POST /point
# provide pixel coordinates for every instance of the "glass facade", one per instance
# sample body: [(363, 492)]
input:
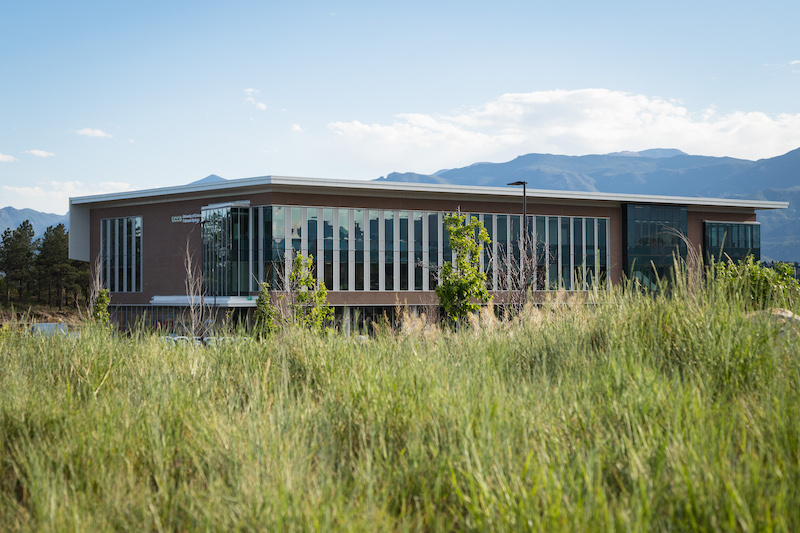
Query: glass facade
[(732, 240), (653, 238), (121, 254), (226, 250), (387, 250)]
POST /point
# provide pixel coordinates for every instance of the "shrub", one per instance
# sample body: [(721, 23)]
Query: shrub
[(100, 312), (266, 315), (758, 286), (460, 286), (310, 296)]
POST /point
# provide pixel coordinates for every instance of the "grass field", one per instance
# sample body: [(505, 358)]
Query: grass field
[(626, 412)]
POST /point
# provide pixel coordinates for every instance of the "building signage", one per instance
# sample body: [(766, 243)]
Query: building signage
[(187, 219)]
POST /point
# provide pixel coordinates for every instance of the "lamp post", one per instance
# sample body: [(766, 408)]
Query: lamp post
[(524, 205), (523, 260)]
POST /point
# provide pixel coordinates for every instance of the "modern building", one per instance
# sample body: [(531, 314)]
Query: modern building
[(380, 244)]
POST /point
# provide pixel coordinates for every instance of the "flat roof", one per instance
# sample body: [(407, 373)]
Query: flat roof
[(266, 183)]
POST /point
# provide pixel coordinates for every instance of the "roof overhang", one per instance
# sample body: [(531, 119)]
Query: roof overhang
[(79, 207), (389, 189)]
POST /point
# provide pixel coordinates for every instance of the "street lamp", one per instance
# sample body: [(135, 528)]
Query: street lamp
[(523, 258), (524, 203)]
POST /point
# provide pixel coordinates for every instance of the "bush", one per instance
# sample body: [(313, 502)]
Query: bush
[(464, 284), (310, 296), (100, 312), (758, 286), (266, 315)]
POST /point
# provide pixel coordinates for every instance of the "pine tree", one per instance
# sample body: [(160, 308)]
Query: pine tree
[(17, 257), (53, 264)]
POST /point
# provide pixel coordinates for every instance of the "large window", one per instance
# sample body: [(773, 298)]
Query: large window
[(121, 254), (732, 240), (385, 250), (226, 250), (358, 256), (653, 238)]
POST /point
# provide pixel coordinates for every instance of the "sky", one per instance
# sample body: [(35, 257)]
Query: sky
[(109, 96)]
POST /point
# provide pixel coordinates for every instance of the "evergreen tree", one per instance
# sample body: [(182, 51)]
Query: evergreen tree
[(55, 269), (79, 283), (17, 257)]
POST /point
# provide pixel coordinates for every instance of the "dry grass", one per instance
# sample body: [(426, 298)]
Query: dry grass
[(614, 412)]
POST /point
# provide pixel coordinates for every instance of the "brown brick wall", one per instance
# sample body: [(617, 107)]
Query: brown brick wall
[(164, 241)]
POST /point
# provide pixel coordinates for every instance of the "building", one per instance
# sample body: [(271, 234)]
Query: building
[(379, 244)]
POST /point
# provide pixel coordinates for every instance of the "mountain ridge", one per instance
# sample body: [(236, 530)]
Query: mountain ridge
[(658, 171), (11, 217)]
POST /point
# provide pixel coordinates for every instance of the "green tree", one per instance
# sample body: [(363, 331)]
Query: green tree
[(79, 284), (54, 269), (309, 296), (100, 312), (17, 256), (266, 315), (462, 285)]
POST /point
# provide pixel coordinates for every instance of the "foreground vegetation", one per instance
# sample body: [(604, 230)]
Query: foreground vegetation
[(622, 411)]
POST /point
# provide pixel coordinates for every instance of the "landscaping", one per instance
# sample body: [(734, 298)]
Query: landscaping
[(611, 410)]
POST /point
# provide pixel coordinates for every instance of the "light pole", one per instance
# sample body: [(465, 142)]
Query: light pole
[(524, 204)]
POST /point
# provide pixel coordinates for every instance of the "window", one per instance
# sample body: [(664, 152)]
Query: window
[(733, 240), (343, 241), (434, 228), (652, 238), (402, 272), (121, 254), (417, 265), (388, 246), (358, 225), (387, 250), (374, 250), (226, 250)]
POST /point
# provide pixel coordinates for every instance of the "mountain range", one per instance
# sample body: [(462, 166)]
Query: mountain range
[(11, 218), (659, 172)]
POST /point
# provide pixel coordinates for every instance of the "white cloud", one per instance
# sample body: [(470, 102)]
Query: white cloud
[(90, 132), (7, 158), (296, 127), (53, 196), (566, 122), (259, 105), (795, 62), (40, 153), (252, 101)]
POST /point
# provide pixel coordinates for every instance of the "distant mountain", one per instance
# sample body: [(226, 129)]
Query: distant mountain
[(11, 218), (780, 228), (782, 172), (213, 178), (660, 171), (653, 152)]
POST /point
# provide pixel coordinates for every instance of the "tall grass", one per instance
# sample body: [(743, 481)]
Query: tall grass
[(621, 411)]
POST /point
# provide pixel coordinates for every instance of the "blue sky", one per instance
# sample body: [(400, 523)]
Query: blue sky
[(107, 96)]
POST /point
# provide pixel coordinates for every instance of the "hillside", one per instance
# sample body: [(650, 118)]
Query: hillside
[(659, 172), (11, 218)]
